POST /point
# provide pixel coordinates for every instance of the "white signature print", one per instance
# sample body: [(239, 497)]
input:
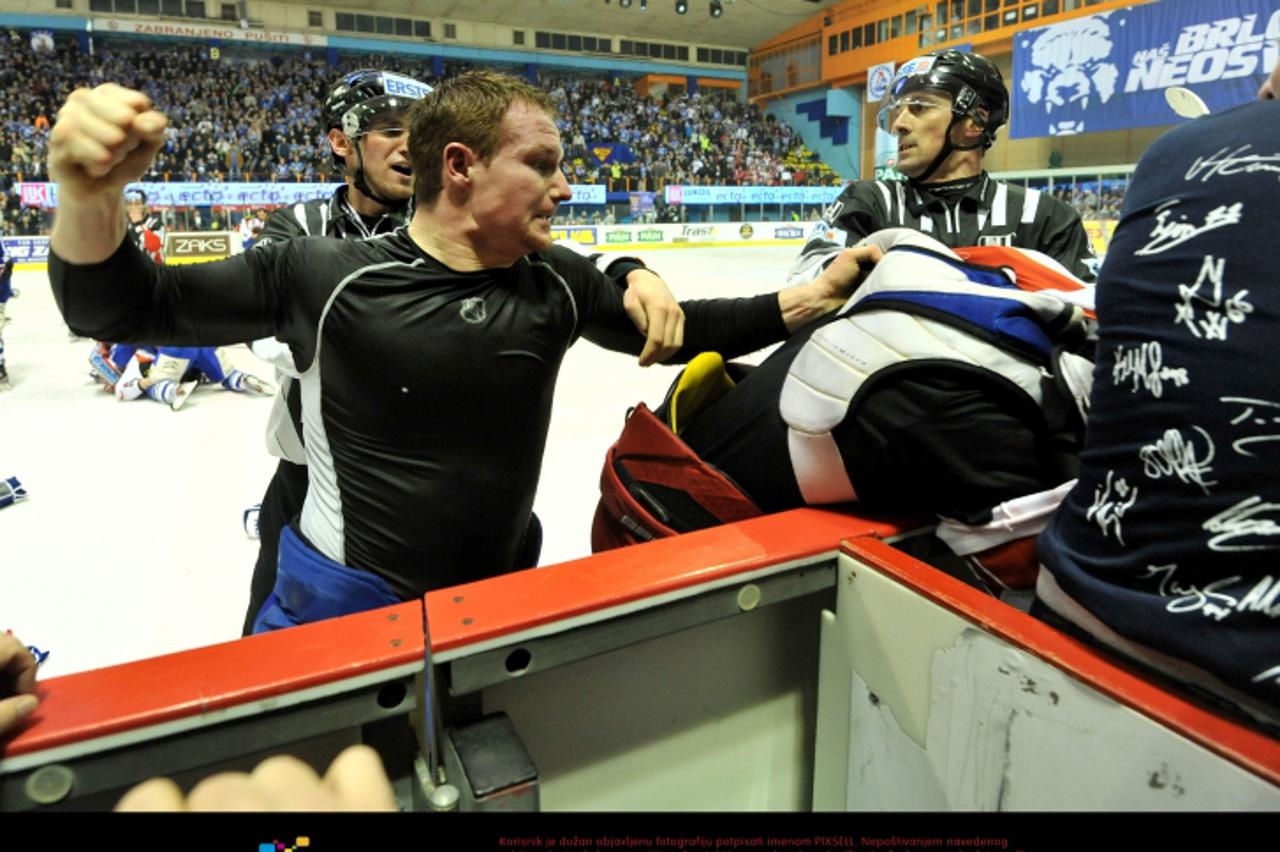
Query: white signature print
[(1222, 163), (1239, 521), (1190, 598), (1219, 312), (1269, 415), (1212, 602), (1108, 512), (1269, 674), (1264, 597), (1174, 454), (1145, 366), (1169, 233)]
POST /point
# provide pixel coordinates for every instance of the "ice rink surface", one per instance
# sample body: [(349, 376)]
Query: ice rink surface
[(131, 544)]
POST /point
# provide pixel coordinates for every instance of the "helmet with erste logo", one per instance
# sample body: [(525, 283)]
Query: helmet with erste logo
[(360, 98), (360, 102)]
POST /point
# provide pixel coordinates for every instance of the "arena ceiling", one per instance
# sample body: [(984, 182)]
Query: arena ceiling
[(744, 24)]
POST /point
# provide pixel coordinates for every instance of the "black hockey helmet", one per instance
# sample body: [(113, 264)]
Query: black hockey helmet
[(362, 96), (973, 82), (358, 100)]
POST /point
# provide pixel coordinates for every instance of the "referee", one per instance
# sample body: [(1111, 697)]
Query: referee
[(372, 149), (945, 109)]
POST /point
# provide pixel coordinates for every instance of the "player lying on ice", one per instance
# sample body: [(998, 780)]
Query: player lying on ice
[(169, 374)]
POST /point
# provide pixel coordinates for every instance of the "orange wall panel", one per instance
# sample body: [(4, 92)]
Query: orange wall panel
[(808, 29), (850, 67)]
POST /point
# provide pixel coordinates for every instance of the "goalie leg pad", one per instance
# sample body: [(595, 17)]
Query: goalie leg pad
[(170, 364)]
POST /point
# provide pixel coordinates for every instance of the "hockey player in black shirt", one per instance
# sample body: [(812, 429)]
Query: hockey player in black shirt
[(366, 118), (427, 357), (945, 109)]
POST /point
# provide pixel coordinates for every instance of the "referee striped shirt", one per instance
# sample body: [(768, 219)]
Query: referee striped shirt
[(989, 213)]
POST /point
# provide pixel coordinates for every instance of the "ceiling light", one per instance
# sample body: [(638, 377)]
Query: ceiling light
[(717, 9), (682, 6)]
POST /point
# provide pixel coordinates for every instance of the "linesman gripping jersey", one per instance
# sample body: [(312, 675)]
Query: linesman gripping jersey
[(945, 109), (972, 212)]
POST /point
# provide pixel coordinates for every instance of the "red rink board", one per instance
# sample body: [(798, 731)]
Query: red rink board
[(104, 702), (475, 612), (93, 704)]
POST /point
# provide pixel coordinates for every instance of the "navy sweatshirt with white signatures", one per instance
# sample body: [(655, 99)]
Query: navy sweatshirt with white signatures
[(1169, 545)]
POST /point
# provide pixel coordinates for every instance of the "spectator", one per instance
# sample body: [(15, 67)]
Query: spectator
[(1163, 549)]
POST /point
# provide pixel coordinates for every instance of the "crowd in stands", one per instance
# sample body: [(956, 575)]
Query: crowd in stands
[(1092, 201), (255, 116), (703, 137), (233, 118)]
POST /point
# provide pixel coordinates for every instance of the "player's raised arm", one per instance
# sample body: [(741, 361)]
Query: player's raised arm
[(104, 138)]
